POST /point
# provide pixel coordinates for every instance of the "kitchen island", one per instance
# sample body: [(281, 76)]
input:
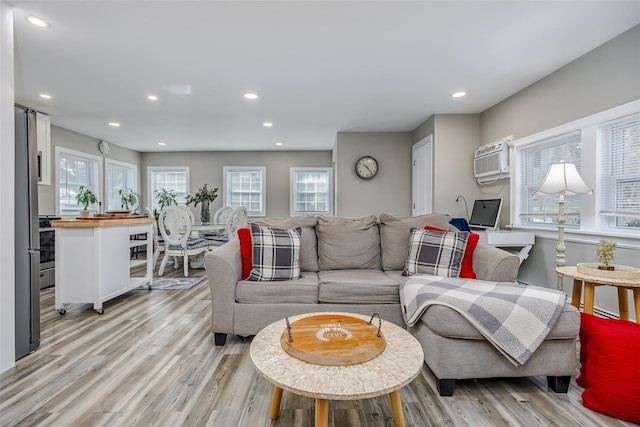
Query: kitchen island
[(93, 259)]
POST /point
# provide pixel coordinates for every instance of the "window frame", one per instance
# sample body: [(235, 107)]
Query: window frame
[(226, 170), (593, 225), (151, 197), (97, 176), (293, 190), (134, 187)]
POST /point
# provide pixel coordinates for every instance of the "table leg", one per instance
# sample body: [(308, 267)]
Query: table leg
[(589, 295), (322, 412), (275, 403), (577, 293), (623, 303), (396, 405), (636, 302)]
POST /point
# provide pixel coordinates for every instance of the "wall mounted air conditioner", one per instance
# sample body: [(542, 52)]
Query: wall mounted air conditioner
[(491, 161)]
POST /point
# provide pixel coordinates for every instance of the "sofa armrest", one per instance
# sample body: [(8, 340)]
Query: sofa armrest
[(494, 264), (224, 269)]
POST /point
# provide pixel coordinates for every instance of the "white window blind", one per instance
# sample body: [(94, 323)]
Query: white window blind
[(120, 176), (74, 171), (174, 179), (310, 191), (245, 186), (619, 183), (537, 209)]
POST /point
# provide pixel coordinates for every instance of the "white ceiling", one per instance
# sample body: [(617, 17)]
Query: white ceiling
[(318, 67)]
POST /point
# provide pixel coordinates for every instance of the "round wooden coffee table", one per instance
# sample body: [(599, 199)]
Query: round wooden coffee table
[(395, 367)]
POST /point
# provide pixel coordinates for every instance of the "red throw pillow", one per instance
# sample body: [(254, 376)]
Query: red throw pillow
[(613, 377), (244, 235), (466, 268)]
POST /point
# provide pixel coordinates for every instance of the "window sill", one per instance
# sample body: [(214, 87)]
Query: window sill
[(627, 241)]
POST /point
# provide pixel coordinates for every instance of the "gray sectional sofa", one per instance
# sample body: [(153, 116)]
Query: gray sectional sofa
[(355, 265)]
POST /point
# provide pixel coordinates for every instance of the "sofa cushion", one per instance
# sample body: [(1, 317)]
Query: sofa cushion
[(303, 290), (394, 235), (435, 253), (612, 374), (348, 243), (308, 242), (357, 286), (466, 269), (275, 253), (447, 322)]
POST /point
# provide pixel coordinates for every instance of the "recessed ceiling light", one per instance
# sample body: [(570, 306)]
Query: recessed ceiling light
[(459, 94), (279, 144), (152, 98), (45, 96), (162, 143), (251, 96), (38, 22), (267, 124), (114, 124)]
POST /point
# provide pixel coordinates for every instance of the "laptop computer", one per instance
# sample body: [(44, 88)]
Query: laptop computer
[(485, 214)]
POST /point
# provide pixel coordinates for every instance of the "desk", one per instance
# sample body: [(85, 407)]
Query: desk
[(509, 239), (395, 367), (590, 283)]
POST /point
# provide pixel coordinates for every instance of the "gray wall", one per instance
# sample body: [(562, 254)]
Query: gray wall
[(603, 78), (61, 137), (390, 190), (207, 167)]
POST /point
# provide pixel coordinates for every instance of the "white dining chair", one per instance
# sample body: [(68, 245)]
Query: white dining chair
[(175, 227), (236, 220), (221, 215)]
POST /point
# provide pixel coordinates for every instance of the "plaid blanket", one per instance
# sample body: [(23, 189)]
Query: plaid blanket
[(514, 318)]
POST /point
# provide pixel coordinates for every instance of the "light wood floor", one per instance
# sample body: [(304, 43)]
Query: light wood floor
[(150, 360)]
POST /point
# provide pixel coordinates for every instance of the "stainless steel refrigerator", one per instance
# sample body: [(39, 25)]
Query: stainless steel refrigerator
[(27, 239)]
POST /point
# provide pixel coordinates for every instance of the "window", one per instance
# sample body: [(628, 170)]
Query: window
[(311, 191), (74, 170), (606, 150), (619, 183), (173, 178), (245, 186), (538, 209), (119, 176)]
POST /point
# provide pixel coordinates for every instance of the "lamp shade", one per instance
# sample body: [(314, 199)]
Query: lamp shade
[(563, 178)]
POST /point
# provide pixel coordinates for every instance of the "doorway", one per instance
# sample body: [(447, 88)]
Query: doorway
[(422, 177)]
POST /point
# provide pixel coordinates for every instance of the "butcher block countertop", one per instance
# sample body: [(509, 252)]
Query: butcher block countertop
[(100, 222)]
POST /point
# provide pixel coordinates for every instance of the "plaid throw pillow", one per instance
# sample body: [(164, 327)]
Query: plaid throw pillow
[(275, 253), (435, 253)]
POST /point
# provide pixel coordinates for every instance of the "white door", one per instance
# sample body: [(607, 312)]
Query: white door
[(422, 176)]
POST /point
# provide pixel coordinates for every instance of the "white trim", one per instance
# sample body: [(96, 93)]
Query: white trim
[(150, 195), (592, 224), (263, 189), (134, 167), (99, 175), (292, 198)]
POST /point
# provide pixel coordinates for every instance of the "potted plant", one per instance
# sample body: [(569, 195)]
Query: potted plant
[(85, 197), (127, 197), (604, 252), (204, 196), (165, 198)]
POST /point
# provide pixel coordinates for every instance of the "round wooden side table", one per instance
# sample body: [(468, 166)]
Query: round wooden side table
[(590, 282), (395, 367)]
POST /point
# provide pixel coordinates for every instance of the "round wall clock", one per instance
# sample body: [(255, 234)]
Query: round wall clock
[(103, 146), (366, 167)]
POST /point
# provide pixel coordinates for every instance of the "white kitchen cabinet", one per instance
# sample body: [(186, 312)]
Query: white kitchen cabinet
[(43, 132), (93, 262)]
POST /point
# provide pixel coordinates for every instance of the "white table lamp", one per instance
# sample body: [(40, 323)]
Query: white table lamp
[(562, 179)]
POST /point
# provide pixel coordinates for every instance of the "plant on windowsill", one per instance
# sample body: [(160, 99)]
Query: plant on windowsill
[(604, 252), (165, 198), (127, 197), (204, 196), (85, 197)]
